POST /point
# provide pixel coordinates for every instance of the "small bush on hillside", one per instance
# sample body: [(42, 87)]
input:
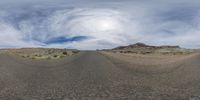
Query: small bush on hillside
[(55, 56), (64, 53)]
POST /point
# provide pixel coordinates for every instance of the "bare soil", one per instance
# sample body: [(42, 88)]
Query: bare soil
[(101, 76), (41, 53)]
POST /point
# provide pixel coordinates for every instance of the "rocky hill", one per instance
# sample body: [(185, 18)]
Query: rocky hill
[(141, 48), (142, 45)]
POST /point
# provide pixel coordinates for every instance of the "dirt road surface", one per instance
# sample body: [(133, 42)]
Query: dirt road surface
[(95, 76)]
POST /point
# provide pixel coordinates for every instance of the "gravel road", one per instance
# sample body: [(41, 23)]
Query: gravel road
[(95, 76)]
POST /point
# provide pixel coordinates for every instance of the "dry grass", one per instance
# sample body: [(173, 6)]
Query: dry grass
[(41, 53), (162, 51)]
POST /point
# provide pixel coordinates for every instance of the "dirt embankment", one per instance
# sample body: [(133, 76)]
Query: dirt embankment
[(151, 59), (152, 63)]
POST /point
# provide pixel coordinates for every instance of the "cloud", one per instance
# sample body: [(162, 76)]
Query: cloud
[(9, 36), (61, 27), (91, 24)]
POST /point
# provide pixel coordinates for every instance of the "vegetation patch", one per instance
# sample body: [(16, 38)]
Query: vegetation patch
[(43, 53)]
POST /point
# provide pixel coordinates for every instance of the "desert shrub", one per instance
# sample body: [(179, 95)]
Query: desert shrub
[(64, 53), (24, 56), (55, 56), (127, 51), (147, 52), (38, 55)]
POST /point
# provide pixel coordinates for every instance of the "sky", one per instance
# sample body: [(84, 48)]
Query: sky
[(98, 24)]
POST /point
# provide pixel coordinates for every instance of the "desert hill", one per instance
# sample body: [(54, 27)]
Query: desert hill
[(142, 45), (141, 48)]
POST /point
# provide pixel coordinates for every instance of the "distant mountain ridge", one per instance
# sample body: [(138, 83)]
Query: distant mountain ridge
[(142, 45)]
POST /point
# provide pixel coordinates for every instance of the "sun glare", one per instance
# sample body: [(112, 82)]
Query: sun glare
[(102, 24), (106, 25)]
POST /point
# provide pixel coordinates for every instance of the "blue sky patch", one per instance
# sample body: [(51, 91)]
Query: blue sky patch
[(61, 40)]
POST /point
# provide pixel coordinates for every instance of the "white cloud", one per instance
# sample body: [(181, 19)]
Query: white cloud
[(112, 24), (9, 36), (85, 22)]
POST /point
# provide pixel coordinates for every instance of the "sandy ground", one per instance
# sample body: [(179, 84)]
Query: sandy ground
[(40, 53), (149, 59), (100, 76)]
